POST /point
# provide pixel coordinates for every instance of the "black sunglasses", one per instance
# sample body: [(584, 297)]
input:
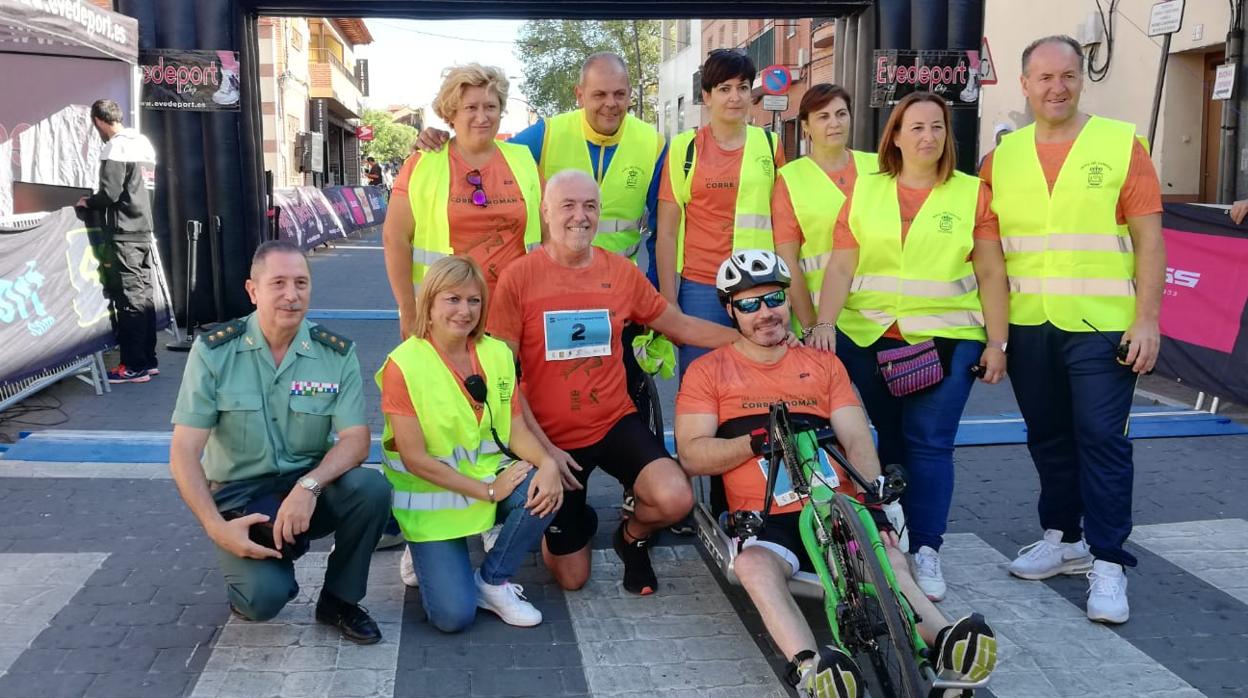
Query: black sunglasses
[(478, 195), (775, 299)]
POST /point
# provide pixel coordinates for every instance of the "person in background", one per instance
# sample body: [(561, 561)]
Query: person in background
[(374, 173), (128, 262), (917, 267)]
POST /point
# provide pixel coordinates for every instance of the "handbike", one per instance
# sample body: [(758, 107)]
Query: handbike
[(868, 615)]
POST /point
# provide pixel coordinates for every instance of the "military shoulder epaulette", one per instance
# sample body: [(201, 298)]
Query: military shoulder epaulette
[(332, 340), (224, 332)]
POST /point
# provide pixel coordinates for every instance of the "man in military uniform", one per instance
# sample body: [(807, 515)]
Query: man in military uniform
[(259, 399)]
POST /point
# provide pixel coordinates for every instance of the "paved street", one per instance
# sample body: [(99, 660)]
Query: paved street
[(109, 588)]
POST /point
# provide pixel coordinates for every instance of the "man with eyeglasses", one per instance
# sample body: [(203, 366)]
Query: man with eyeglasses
[(721, 419), (562, 309)]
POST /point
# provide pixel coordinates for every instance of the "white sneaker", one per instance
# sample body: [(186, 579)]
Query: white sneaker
[(407, 571), (928, 574), (490, 536), (507, 601), (1107, 593), (1049, 556)]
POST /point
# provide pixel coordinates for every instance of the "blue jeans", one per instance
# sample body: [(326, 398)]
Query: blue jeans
[(447, 589), (1075, 399), (916, 431), (700, 301)]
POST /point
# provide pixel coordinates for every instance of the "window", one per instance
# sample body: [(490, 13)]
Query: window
[(667, 119), (680, 113), (670, 48), (792, 32), (721, 43), (683, 36)]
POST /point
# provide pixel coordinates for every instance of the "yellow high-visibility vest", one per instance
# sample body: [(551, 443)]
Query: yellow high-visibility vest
[(927, 285), (429, 189), (1067, 258), (625, 183), (752, 228), (426, 512), (817, 202)]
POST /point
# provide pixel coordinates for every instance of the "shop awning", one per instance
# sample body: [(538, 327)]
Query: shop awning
[(67, 29)]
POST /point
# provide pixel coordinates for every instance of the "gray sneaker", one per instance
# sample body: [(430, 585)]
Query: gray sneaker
[(1049, 557)]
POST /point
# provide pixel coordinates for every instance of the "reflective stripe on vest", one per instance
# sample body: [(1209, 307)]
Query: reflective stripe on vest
[(1067, 257), (625, 183), (452, 435), (752, 217), (926, 285), (429, 191), (817, 202)]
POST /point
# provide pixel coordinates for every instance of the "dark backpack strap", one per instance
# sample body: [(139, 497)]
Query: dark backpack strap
[(689, 156)]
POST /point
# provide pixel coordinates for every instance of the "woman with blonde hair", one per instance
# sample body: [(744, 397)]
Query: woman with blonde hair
[(459, 456), (916, 288), (478, 197)]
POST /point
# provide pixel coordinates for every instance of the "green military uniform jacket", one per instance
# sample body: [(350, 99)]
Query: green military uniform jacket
[(268, 420)]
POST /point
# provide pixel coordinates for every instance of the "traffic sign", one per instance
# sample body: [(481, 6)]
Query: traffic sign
[(987, 67), (364, 133), (775, 102), (1165, 18), (776, 80)]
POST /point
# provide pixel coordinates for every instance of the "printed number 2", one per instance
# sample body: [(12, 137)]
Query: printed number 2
[(578, 332)]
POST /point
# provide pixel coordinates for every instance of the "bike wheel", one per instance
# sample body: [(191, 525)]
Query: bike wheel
[(874, 628)]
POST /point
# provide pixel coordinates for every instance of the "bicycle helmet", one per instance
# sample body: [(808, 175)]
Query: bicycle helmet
[(749, 268)]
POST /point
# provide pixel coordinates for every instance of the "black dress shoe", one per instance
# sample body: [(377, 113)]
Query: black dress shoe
[(352, 620)]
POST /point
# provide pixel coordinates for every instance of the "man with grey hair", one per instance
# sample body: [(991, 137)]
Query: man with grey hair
[(562, 309), (252, 453), (1080, 210)]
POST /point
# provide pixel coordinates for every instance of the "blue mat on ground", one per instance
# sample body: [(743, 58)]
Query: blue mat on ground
[(69, 446)]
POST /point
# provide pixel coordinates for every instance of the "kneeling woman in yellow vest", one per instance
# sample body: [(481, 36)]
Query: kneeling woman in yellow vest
[(916, 286), (449, 398), (477, 196)]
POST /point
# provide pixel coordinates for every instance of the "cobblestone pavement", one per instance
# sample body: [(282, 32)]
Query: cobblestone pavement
[(108, 587)]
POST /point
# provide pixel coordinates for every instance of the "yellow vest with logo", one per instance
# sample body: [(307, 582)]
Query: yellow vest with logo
[(817, 202), (1067, 258), (927, 285), (426, 512), (624, 184), (429, 190), (752, 229)]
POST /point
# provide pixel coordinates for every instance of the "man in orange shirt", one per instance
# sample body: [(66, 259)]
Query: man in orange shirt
[(723, 402), (561, 309)]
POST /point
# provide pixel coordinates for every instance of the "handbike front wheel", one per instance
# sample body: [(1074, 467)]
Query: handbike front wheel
[(874, 627)]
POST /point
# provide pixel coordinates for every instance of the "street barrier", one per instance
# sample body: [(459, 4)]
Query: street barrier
[(312, 217)]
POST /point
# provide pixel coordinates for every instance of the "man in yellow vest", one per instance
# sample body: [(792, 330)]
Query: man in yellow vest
[(1080, 211)]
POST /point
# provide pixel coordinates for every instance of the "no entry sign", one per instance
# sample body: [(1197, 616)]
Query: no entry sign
[(776, 80)]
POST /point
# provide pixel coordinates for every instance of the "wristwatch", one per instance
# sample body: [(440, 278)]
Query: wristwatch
[(311, 485), (999, 345)]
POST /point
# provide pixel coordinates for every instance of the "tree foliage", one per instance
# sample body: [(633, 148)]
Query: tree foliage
[(391, 141), (552, 51)]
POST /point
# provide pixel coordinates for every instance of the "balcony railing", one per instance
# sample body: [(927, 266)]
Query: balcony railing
[(324, 55)]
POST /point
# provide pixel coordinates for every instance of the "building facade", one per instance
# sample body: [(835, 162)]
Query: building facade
[(680, 100), (311, 99)]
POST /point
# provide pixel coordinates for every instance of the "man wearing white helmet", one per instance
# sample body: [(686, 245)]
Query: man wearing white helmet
[(723, 401)]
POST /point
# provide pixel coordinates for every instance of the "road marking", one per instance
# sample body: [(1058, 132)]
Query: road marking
[(686, 637), (1214, 551), (1047, 645), (293, 655), (34, 587)]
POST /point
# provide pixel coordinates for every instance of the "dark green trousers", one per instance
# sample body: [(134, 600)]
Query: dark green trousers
[(354, 509)]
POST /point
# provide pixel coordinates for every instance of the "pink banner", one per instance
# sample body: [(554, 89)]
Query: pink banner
[(1205, 290)]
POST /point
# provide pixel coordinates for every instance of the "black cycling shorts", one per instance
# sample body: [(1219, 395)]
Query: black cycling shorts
[(782, 536), (623, 452)]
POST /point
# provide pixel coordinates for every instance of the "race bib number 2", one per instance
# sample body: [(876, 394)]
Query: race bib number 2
[(575, 334)]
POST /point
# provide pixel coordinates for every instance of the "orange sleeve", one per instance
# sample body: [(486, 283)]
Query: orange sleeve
[(647, 303), (842, 393), (506, 319), (405, 174), (697, 389), (779, 159), (1141, 193), (784, 225), (842, 237), (395, 398), (985, 169), (986, 225), (665, 181)]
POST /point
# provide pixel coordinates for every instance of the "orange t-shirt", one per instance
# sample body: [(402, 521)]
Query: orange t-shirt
[(710, 216), (910, 201), (492, 235), (1141, 191), (729, 385), (549, 310), (784, 224)]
